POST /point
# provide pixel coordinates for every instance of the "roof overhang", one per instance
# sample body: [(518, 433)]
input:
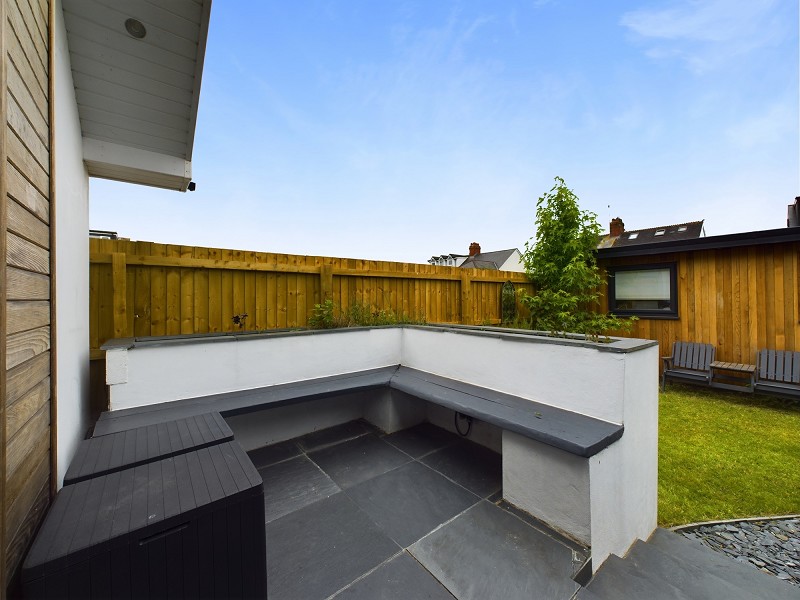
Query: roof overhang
[(138, 97)]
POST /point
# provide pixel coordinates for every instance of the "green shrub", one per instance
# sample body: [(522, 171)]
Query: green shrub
[(329, 315)]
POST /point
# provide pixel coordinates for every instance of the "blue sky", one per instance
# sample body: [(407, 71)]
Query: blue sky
[(399, 130)]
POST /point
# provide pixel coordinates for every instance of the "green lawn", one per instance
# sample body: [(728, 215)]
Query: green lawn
[(726, 455)]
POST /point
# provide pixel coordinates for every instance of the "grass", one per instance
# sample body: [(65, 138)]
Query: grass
[(726, 455)]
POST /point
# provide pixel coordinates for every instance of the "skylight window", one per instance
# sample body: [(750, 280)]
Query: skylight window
[(633, 236), (660, 232), (682, 228)]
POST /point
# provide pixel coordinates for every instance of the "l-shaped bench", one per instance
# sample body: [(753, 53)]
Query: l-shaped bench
[(572, 432), (576, 420)]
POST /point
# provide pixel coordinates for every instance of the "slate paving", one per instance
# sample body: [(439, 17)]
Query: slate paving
[(355, 514), (772, 546)]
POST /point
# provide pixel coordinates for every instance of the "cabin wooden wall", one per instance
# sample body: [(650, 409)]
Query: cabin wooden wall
[(25, 285), (740, 300)]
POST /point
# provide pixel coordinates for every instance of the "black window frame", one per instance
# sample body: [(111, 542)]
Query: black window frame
[(672, 313)]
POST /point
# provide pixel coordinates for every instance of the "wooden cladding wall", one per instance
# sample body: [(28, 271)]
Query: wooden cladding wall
[(25, 390), (148, 289), (740, 300)]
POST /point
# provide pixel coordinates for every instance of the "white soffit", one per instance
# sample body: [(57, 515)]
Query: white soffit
[(138, 94)]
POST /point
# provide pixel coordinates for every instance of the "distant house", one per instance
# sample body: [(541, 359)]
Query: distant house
[(499, 260), (793, 216), (617, 236)]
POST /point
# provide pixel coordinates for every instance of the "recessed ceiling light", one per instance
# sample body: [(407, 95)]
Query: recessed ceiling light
[(135, 28)]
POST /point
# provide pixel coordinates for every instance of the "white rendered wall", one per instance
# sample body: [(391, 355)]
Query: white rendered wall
[(71, 219), (624, 476), (575, 378), (149, 374), (392, 410), (548, 483)]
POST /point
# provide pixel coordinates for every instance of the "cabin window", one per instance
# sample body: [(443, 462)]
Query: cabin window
[(645, 291)]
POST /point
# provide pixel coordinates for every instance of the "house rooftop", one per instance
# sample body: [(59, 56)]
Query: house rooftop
[(618, 236), (488, 260)]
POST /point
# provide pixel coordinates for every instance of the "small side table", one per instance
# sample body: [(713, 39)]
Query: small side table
[(724, 376)]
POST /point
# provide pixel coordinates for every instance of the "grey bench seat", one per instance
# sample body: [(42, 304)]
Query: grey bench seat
[(572, 432), (778, 372)]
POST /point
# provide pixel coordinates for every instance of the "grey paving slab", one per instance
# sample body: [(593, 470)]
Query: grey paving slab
[(475, 467), (360, 459), (741, 575), (274, 453), (410, 501), (619, 579), (689, 576), (401, 578), (488, 553), (314, 552), (421, 439), (293, 484), (332, 435)]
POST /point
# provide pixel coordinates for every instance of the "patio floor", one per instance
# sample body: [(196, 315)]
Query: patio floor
[(352, 513)]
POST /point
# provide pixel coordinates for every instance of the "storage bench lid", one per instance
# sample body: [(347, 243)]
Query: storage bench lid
[(87, 517), (117, 451)]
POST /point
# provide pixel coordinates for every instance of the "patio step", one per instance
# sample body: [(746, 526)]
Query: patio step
[(670, 566)]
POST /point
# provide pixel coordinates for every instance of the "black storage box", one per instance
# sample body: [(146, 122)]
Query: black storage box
[(117, 451), (188, 526)]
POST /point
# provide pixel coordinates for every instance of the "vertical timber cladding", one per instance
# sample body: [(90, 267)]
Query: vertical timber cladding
[(741, 300), (25, 465)]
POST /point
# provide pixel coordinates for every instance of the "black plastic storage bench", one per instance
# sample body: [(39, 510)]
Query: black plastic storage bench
[(176, 515)]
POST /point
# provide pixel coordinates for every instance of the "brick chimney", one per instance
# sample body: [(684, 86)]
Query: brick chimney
[(617, 227), (474, 248)]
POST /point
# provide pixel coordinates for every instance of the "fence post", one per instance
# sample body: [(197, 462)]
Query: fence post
[(326, 282), (119, 285), (466, 299)]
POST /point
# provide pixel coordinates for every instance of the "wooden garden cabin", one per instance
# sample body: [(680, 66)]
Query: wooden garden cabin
[(738, 292)]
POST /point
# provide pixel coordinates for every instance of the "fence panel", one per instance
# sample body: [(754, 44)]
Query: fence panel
[(143, 289)]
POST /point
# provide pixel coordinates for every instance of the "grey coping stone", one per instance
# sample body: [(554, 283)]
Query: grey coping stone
[(741, 575), (357, 460), (401, 578), (469, 464), (488, 553), (410, 501), (317, 550), (274, 453), (332, 435), (614, 344), (575, 433), (293, 484), (421, 439), (690, 576), (244, 401)]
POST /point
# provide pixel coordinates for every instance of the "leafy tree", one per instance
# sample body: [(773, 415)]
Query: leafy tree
[(562, 264)]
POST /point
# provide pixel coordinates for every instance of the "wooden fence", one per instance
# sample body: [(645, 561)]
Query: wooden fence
[(147, 289)]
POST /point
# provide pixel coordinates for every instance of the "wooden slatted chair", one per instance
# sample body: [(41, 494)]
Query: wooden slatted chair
[(778, 372), (690, 361)]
